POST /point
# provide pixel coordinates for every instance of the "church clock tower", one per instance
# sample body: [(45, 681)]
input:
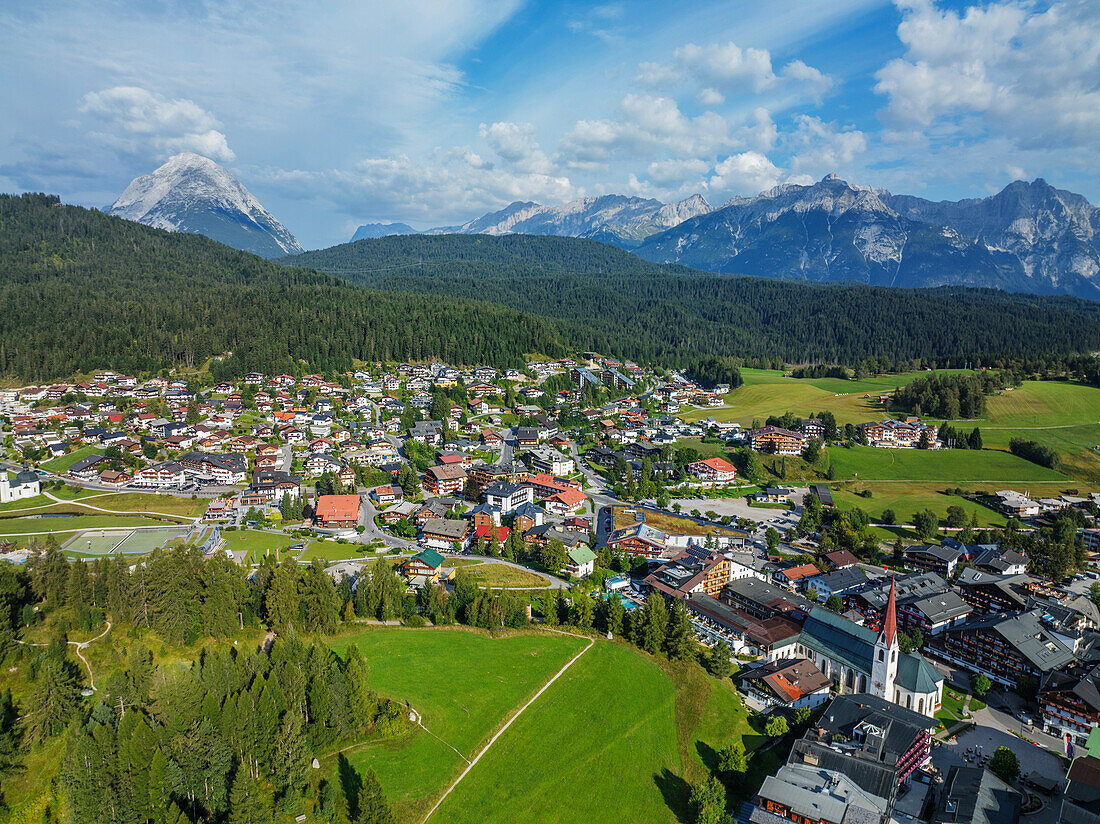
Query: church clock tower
[(884, 668)]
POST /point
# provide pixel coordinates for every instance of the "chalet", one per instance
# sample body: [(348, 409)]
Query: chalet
[(427, 432), (400, 511), (444, 534), (1008, 647), (115, 478), (337, 511), (638, 539), (486, 532), (939, 559), (692, 571), (773, 495), (445, 480), (85, 468), (565, 502), (777, 441), (275, 484), (581, 562), (318, 463), (527, 436), (423, 567), (526, 517), (386, 495), (788, 683), (161, 476)]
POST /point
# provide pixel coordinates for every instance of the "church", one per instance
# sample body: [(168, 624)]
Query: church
[(859, 660), (25, 485)]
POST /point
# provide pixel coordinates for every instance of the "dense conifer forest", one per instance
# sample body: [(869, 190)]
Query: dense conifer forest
[(678, 317), (80, 290)]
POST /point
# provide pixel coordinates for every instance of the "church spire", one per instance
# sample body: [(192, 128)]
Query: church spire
[(890, 621)]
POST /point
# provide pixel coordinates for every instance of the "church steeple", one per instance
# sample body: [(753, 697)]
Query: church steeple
[(890, 620), (884, 667)]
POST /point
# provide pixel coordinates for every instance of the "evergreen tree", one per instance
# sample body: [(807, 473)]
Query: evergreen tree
[(654, 619), (249, 800), (54, 697), (372, 803), (680, 641)]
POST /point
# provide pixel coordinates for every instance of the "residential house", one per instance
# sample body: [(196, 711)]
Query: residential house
[(444, 534), (445, 480), (787, 683), (508, 497), (777, 441), (337, 511), (713, 470)]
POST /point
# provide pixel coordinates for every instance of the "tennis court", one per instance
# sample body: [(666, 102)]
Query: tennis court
[(123, 541)]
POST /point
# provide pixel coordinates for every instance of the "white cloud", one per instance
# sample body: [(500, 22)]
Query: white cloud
[(747, 173), (710, 97), (822, 147), (761, 133), (645, 123), (136, 119), (676, 173), (1015, 68), (726, 68), (447, 185), (515, 143)]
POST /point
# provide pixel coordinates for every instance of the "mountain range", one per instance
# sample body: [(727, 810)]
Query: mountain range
[(621, 220), (376, 230), (1030, 237), (193, 194)]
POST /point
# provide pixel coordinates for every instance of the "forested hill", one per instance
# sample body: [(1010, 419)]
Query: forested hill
[(80, 290), (620, 304)]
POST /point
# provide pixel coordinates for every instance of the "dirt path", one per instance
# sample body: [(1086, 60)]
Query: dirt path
[(80, 645), (516, 715)]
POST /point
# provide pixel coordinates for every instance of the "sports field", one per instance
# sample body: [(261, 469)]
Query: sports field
[(123, 541)]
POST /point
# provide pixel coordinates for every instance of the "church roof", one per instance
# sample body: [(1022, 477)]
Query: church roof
[(840, 639), (890, 622), (25, 477), (916, 674)]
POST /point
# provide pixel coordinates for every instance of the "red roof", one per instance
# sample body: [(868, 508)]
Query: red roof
[(485, 532), (718, 465), (338, 508), (801, 571), (890, 622), (569, 497)]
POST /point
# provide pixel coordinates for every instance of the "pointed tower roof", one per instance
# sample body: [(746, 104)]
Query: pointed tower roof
[(890, 621)]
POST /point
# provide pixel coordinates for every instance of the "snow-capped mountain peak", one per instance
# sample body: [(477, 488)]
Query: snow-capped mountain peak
[(192, 193)]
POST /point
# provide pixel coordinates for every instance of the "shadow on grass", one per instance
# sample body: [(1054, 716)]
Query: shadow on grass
[(675, 792), (708, 754), (351, 783)]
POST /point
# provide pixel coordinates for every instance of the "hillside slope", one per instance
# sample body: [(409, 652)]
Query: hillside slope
[(675, 316), (80, 290)]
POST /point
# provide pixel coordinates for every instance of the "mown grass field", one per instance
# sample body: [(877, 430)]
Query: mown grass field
[(769, 392), (61, 463), (257, 544), (463, 684), (1064, 416), (946, 466), (62, 526)]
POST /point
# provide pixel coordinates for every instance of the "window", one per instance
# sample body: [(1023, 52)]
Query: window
[(920, 706), (881, 657)]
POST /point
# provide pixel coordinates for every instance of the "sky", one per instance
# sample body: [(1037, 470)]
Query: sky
[(432, 113)]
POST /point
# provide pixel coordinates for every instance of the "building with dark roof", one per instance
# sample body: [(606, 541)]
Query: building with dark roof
[(973, 795), (989, 592), (939, 559), (874, 742), (694, 570), (1081, 798), (1007, 647), (1070, 704), (924, 602), (803, 793)]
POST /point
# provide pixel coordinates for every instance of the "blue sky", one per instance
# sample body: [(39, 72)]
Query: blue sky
[(339, 113)]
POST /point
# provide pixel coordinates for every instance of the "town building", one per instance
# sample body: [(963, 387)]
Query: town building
[(777, 441), (337, 511)]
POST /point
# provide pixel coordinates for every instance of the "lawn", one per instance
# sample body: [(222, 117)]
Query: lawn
[(945, 466), (906, 498), (331, 552), (499, 575), (463, 684), (256, 543), (61, 463), (14, 526), (1064, 416)]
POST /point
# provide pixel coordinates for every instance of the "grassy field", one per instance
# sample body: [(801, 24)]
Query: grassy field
[(256, 544), (61, 463), (583, 754), (769, 392), (946, 466), (329, 551), (463, 684), (1064, 416), (499, 575), (13, 526)]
